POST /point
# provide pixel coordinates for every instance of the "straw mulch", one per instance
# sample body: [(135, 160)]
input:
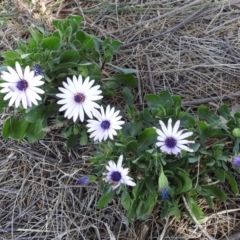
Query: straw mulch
[(190, 48)]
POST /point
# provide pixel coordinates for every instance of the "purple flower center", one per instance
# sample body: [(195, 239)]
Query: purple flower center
[(22, 85), (170, 142), (79, 98), (116, 176), (105, 124)]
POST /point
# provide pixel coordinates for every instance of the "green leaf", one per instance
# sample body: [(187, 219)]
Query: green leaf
[(70, 56), (146, 138), (215, 191), (77, 18), (34, 113), (165, 96), (128, 96), (177, 100), (136, 128), (224, 111), (232, 181), (206, 114), (132, 147), (83, 138), (220, 174), (153, 100), (123, 70), (51, 43), (64, 67), (186, 182), (174, 210), (10, 55), (71, 141), (194, 159), (116, 44), (209, 200), (104, 200), (19, 128), (6, 130), (125, 199), (34, 131), (198, 213), (126, 79), (37, 36)]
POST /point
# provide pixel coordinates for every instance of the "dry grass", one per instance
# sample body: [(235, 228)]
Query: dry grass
[(192, 49)]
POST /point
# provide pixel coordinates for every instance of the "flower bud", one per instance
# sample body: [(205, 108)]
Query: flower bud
[(83, 180), (236, 161), (236, 132), (163, 186)]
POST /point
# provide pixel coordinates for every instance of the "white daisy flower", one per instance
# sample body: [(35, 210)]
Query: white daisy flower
[(171, 141), (21, 86), (118, 175), (106, 124), (79, 96)]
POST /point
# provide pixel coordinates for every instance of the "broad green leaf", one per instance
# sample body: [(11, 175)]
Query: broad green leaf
[(6, 128), (125, 199), (67, 131), (209, 200), (34, 131), (194, 159), (220, 174), (174, 210), (146, 138), (64, 67), (232, 181), (51, 43), (3, 104), (132, 147), (186, 181), (10, 55), (153, 100), (116, 44), (34, 113), (70, 56), (136, 128), (72, 141), (80, 36), (177, 100), (77, 18), (150, 184), (83, 138), (19, 128), (224, 111), (36, 35), (198, 213), (215, 192), (104, 200), (165, 96), (205, 113), (126, 79), (128, 96)]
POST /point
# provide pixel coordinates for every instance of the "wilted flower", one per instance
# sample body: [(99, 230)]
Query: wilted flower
[(79, 96), (21, 86), (83, 180), (37, 70), (106, 124), (171, 141), (236, 161), (117, 175)]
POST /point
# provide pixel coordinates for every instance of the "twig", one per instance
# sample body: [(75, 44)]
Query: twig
[(207, 100), (165, 228), (195, 220), (27, 150), (235, 236), (183, 23), (150, 74), (232, 55), (139, 87), (126, 31)]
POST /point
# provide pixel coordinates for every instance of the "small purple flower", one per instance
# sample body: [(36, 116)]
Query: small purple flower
[(165, 193), (236, 161), (37, 70), (83, 180)]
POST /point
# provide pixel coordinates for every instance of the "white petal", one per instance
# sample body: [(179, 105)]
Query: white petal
[(169, 126), (164, 129), (185, 135), (175, 128), (19, 70)]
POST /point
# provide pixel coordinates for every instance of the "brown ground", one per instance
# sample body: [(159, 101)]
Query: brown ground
[(190, 48)]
